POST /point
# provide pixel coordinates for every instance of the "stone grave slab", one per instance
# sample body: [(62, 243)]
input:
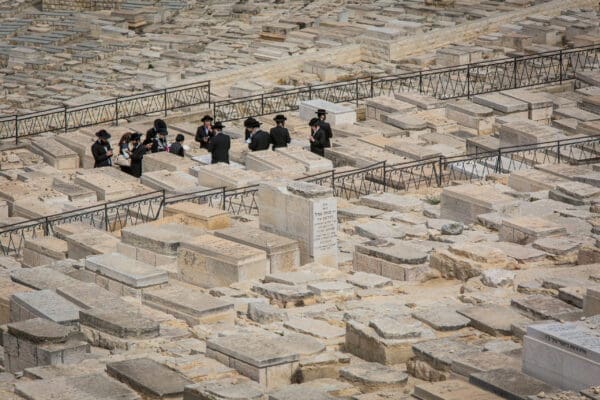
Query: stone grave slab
[(526, 132), (467, 364), (328, 334), (54, 153), (532, 180), (127, 271), (394, 260), (373, 376), (365, 280), (225, 389), (509, 383), (422, 101), (451, 390), (286, 295), (381, 106), (540, 107), (272, 161), (392, 202), (210, 261), (547, 307), (283, 254), (166, 161), (292, 278), (591, 301), (89, 295), (526, 229), (442, 319), (45, 304), (89, 243), (471, 115), (42, 278), (199, 215), (464, 203), (493, 319), (336, 114), (119, 323), (105, 186), (148, 377), (502, 105), (159, 238), (173, 182), (311, 162), (224, 175), (193, 307)]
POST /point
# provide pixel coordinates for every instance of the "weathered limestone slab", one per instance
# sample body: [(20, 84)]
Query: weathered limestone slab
[(441, 353), (148, 377), (413, 151), (84, 387), (265, 358), (502, 105), (422, 101), (264, 313), (591, 302), (166, 161), (89, 295), (336, 114), (540, 107), (467, 364), (44, 250), (273, 161), (225, 175), (394, 260), (510, 383), (286, 295), (311, 162), (380, 107), (451, 390), (442, 319), (466, 260), (525, 230), (368, 281), (526, 132), (210, 261), (574, 344), (226, 389), (283, 254), (54, 153), (547, 307), (465, 202), (173, 182), (105, 186), (373, 376), (407, 122), (200, 215), (127, 271), (492, 319), (45, 304), (40, 278), (37, 342), (579, 173), (193, 307), (304, 212), (80, 144), (119, 323), (84, 244), (533, 180), (7, 289), (328, 334), (160, 238), (392, 202), (575, 193), (471, 115)]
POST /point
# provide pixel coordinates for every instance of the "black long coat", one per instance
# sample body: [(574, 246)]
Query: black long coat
[(321, 141), (99, 151), (137, 154), (201, 133), (327, 128), (280, 137), (219, 148), (260, 141)]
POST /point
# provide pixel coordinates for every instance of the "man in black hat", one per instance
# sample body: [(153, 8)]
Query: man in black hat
[(247, 130), (259, 139), (101, 150), (318, 138), (177, 147), (280, 136), (204, 131), (322, 116), (137, 154), (160, 143), (219, 145)]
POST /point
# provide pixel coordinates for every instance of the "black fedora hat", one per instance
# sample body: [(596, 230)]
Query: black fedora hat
[(314, 122), (161, 127), (135, 136), (103, 134), (321, 111), (280, 117), (218, 125), (206, 118), (249, 122)]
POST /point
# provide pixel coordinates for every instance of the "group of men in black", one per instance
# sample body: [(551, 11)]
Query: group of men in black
[(209, 136)]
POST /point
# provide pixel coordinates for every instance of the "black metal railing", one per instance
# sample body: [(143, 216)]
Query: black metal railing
[(105, 111), (441, 83)]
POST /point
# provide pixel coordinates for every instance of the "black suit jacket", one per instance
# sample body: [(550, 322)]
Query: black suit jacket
[(260, 141), (321, 141), (219, 148), (327, 128), (99, 151), (280, 137), (201, 133), (137, 154)]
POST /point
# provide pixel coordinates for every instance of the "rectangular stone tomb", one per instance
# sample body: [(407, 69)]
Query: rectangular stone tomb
[(176, 182), (540, 107), (381, 106), (283, 254), (272, 161), (533, 180), (502, 105), (149, 377), (268, 359), (464, 203), (471, 115), (80, 144), (74, 192), (193, 307), (525, 230), (225, 175), (510, 384), (125, 270), (591, 302), (105, 186), (336, 114), (394, 260), (564, 355), (45, 304), (81, 245), (159, 238), (199, 215), (310, 161), (166, 161), (305, 212), (210, 261), (526, 132), (55, 154), (44, 250), (36, 342)]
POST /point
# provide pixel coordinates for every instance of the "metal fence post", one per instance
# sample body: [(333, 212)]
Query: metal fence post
[(16, 129), (46, 226), (560, 60), (117, 111), (356, 89), (515, 72), (65, 119), (165, 100), (384, 176), (215, 111), (209, 93), (106, 217), (558, 150), (468, 81), (499, 161), (262, 104), (372, 88), (333, 181), (223, 197), (310, 92), (420, 81), (438, 177)]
